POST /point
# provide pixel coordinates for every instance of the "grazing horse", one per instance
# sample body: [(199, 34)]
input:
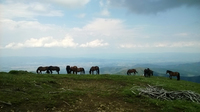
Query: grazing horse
[(173, 74), (81, 70), (69, 69), (148, 72), (40, 69), (131, 71), (54, 68), (94, 68)]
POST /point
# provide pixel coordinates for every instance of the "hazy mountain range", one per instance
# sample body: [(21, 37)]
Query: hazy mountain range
[(187, 65)]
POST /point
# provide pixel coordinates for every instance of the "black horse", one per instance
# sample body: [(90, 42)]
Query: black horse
[(40, 69), (54, 68), (173, 74), (94, 68), (148, 72), (68, 69)]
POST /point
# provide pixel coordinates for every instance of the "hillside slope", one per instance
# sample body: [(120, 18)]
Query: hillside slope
[(23, 91)]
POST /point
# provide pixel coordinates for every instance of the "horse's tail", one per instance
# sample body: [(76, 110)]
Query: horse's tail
[(98, 70), (90, 71), (127, 73), (37, 70), (178, 77), (83, 71)]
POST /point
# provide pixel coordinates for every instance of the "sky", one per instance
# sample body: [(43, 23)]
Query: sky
[(76, 28)]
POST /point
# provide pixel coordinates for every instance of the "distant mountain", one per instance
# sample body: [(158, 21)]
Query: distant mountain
[(188, 71)]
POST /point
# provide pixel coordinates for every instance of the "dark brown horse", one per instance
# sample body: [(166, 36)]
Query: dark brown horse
[(177, 74), (94, 68), (81, 70), (148, 72), (40, 69), (131, 71), (54, 68), (70, 69)]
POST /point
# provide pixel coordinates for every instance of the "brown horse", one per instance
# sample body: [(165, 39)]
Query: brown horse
[(94, 68), (54, 68), (173, 74), (131, 71), (40, 69), (69, 69), (148, 72), (81, 70)]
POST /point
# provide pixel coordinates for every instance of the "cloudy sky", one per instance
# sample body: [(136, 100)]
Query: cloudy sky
[(87, 27)]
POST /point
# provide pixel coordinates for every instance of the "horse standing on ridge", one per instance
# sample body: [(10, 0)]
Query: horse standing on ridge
[(173, 74), (81, 70), (70, 69), (94, 68), (54, 68), (40, 69), (131, 71), (148, 72)]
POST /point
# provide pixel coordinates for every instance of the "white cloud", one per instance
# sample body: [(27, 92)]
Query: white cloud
[(101, 24), (95, 43), (68, 41), (24, 25), (71, 3), (81, 15), (162, 44), (105, 12), (181, 34), (101, 3), (28, 10)]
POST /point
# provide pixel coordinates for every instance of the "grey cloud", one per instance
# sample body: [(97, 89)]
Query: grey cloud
[(153, 6)]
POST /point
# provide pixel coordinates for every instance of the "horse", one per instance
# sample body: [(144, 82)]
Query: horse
[(131, 71), (173, 74), (148, 72), (40, 69), (81, 70), (94, 68), (54, 68), (69, 69)]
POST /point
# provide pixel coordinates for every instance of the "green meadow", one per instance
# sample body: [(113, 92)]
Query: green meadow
[(22, 91)]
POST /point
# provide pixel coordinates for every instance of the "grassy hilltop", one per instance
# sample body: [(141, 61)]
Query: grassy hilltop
[(24, 91)]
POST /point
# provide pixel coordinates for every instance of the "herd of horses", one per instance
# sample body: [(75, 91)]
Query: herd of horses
[(74, 69)]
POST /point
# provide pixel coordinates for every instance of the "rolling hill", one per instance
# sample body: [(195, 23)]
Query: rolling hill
[(24, 91)]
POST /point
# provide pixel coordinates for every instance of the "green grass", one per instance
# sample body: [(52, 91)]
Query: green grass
[(24, 91)]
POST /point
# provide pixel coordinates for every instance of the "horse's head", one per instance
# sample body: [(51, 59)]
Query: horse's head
[(68, 69), (168, 71)]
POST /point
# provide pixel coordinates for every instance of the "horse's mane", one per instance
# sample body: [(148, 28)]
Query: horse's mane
[(169, 71)]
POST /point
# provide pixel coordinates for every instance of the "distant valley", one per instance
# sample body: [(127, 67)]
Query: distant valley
[(189, 71)]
